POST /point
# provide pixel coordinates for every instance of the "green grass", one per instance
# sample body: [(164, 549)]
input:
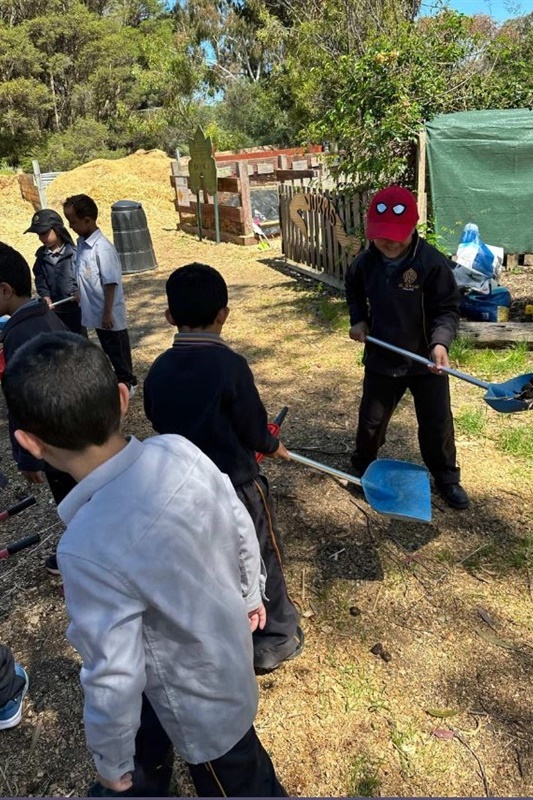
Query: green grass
[(471, 423), (490, 364), (517, 440), (364, 780)]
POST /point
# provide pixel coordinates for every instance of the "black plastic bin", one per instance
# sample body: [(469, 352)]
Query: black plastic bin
[(132, 237)]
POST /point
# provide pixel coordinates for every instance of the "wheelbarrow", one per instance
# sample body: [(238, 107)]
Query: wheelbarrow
[(513, 395)]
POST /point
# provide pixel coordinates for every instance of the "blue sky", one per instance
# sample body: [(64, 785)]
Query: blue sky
[(499, 9)]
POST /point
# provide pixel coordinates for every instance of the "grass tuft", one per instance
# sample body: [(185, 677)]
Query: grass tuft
[(364, 781)]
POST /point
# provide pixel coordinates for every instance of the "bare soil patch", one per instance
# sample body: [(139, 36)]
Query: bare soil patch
[(451, 602)]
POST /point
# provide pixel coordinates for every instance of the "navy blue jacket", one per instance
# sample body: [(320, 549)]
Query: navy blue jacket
[(414, 305), (55, 277), (204, 391), (29, 321)]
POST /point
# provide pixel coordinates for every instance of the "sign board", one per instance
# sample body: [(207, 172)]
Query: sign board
[(202, 166)]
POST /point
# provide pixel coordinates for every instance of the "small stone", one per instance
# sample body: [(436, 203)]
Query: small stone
[(355, 611)]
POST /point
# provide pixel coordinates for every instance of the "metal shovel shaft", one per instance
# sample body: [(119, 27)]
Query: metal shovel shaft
[(336, 473), (62, 302), (426, 361)]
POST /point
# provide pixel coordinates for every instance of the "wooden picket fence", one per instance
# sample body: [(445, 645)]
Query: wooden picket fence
[(327, 237)]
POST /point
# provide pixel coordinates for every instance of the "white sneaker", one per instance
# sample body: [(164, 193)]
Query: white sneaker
[(133, 390)]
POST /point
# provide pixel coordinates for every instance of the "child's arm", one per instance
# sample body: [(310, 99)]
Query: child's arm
[(106, 630), (41, 284), (441, 299), (248, 414), (356, 295), (109, 297), (253, 573)]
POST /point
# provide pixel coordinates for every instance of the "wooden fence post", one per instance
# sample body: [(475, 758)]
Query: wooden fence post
[(38, 182), (421, 177), (246, 199)]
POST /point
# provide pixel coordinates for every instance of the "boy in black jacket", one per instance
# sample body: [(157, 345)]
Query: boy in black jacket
[(203, 390), (28, 318), (402, 290), (54, 268)]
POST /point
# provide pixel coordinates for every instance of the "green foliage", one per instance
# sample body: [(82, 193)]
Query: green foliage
[(85, 140), (364, 780)]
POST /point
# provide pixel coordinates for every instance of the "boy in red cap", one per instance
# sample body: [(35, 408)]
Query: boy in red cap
[(402, 290)]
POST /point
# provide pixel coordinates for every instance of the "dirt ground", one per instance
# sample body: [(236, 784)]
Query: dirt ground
[(451, 602)]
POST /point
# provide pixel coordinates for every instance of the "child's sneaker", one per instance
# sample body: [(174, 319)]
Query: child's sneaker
[(51, 565), (11, 713)]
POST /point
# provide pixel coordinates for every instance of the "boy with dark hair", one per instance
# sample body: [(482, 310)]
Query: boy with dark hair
[(13, 687), (402, 290), (54, 267), (161, 571), (28, 318), (203, 390), (99, 277)]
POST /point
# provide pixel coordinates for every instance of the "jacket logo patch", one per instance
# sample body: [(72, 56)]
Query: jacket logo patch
[(409, 280)]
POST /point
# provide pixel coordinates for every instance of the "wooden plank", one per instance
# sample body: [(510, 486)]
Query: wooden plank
[(318, 275), (225, 236), (230, 213), (224, 172), (300, 166), (528, 259), (421, 177), (293, 174), (246, 200), (283, 162), (497, 334), (232, 185), (511, 260), (329, 266), (312, 225), (318, 264), (266, 168)]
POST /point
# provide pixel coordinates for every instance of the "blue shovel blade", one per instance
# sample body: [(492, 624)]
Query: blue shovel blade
[(503, 397), (398, 489)]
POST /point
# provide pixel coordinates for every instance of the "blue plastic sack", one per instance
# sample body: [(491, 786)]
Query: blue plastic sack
[(483, 258), (492, 307)]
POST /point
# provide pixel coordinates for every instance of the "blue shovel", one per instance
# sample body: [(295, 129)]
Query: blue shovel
[(513, 395), (395, 488)]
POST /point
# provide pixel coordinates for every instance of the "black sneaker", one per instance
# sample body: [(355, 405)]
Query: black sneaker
[(454, 495), (51, 565), (269, 659), (358, 465)]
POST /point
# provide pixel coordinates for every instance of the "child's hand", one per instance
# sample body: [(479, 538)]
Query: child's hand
[(359, 332), (76, 297), (48, 301), (33, 477), (107, 321), (257, 618), (119, 785), (439, 354), (281, 452)]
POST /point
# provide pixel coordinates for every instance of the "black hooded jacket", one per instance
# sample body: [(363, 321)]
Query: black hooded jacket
[(55, 275), (414, 305)]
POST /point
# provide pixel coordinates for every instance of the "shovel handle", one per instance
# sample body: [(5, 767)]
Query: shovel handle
[(17, 508), (428, 363), (28, 541), (336, 473), (62, 302)]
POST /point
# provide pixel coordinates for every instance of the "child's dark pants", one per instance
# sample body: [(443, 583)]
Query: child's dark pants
[(245, 771), (278, 640), (431, 395), (10, 683), (116, 346)]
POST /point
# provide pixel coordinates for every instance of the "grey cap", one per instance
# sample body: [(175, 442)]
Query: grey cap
[(46, 219)]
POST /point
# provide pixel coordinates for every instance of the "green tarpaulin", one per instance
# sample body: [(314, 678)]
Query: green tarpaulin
[(481, 170)]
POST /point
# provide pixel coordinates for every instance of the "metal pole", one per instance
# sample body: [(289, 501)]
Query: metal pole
[(217, 223)]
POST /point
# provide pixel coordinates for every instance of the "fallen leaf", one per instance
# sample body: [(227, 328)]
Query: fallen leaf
[(443, 733), (441, 713)]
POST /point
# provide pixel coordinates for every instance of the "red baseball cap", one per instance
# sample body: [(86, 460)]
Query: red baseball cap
[(392, 214)]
